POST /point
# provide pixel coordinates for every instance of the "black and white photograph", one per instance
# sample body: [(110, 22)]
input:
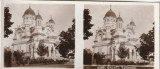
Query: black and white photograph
[(39, 35), (118, 36)]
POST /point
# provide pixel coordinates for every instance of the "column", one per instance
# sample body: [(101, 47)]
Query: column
[(49, 49), (53, 53), (33, 52)]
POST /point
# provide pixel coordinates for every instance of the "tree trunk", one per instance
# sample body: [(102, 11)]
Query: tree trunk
[(121, 60)]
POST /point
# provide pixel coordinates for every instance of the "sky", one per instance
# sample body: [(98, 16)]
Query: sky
[(142, 15), (62, 14)]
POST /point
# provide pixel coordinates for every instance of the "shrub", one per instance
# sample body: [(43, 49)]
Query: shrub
[(123, 63), (7, 58), (142, 63)]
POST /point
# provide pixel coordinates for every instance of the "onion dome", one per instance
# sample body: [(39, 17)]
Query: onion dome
[(38, 16), (119, 19), (29, 11), (110, 13), (132, 23), (51, 20)]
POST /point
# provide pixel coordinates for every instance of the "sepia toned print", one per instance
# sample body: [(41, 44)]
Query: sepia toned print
[(39, 35), (119, 37)]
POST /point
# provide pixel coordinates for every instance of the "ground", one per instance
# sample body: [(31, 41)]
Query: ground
[(50, 65)]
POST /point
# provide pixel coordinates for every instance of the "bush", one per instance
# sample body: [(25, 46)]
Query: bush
[(7, 58), (142, 63), (87, 58), (34, 61), (42, 61), (19, 57), (123, 63)]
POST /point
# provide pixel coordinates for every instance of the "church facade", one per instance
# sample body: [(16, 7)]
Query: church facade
[(31, 32), (112, 34)]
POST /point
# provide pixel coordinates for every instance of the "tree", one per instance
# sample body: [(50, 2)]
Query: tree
[(87, 57), (147, 44), (67, 41), (7, 58), (18, 57), (63, 48), (41, 50), (99, 58), (143, 52), (87, 25), (7, 22), (122, 52)]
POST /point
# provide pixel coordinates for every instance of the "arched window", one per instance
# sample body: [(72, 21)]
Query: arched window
[(47, 51), (52, 49), (132, 52), (26, 17), (110, 50), (38, 23), (128, 54), (121, 25), (107, 20)]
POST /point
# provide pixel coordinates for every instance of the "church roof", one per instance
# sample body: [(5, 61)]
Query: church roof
[(38, 16), (132, 23), (110, 13), (51, 21), (119, 19), (29, 11)]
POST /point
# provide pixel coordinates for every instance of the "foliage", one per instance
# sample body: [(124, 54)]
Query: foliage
[(87, 25), (99, 58), (7, 22), (122, 52), (147, 44), (87, 57), (46, 61), (18, 57), (123, 63), (7, 58), (41, 50), (67, 40)]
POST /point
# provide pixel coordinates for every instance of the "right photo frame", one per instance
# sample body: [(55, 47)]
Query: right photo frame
[(118, 36)]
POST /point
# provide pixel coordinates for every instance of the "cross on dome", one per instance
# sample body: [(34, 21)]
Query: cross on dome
[(110, 7)]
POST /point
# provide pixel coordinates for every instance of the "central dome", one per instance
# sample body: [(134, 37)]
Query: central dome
[(29, 11), (110, 13)]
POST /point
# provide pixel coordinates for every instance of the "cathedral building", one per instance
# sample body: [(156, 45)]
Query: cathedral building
[(112, 34), (31, 32)]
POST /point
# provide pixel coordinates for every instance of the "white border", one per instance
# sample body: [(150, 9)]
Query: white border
[(79, 6)]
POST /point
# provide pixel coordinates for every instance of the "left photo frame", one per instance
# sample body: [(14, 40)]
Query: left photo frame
[(38, 35)]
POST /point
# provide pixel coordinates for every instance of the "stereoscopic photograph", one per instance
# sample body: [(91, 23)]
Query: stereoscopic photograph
[(118, 36), (39, 35)]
